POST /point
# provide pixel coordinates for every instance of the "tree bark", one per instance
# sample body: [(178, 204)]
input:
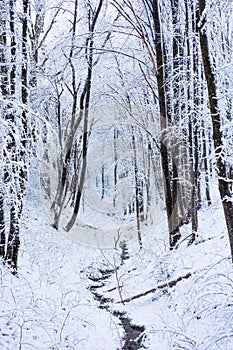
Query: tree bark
[(2, 227), (18, 152), (85, 109), (223, 184), (137, 186), (174, 234), (5, 94)]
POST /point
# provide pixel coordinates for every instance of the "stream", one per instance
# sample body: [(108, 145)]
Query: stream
[(134, 334)]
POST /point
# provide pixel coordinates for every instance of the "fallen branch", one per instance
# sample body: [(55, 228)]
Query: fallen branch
[(161, 286)]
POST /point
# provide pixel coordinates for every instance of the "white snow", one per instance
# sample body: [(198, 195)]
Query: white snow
[(49, 306)]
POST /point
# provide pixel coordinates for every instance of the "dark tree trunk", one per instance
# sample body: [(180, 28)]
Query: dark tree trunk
[(85, 109), (3, 50), (137, 186), (2, 227), (13, 47), (193, 126), (223, 184), (115, 136), (13, 238), (5, 94), (103, 181), (63, 170), (207, 180), (36, 32), (177, 201), (174, 234), (18, 155)]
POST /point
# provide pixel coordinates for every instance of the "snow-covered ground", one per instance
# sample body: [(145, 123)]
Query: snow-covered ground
[(49, 304)]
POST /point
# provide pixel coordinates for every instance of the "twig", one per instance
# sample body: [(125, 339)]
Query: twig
[(139, 30)]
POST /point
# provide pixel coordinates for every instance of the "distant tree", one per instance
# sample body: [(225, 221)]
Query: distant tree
[(73, 82), (176, 65)]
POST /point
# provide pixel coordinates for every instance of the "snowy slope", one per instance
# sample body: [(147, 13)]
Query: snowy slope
[(49, 304)]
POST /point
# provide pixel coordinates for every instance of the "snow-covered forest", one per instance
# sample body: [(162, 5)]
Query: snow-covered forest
[(116, 186)]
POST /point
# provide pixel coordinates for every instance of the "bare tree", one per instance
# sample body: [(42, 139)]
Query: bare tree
[(18, 152), (5, 94), (14, 92), (223, 183)]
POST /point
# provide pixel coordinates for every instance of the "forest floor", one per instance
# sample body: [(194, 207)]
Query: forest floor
[(70, 296)]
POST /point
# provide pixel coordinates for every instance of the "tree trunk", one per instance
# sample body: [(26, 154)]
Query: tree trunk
[(5, 94), (13, 238), (207, 180), (2, 227), (18, 152), (223, 184), (65, 156), (85, 109), (137, 185), (174, 234)]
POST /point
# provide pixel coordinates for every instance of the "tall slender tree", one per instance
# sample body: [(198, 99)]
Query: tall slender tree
[(5, 95), (223, 183), (18, 151)]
